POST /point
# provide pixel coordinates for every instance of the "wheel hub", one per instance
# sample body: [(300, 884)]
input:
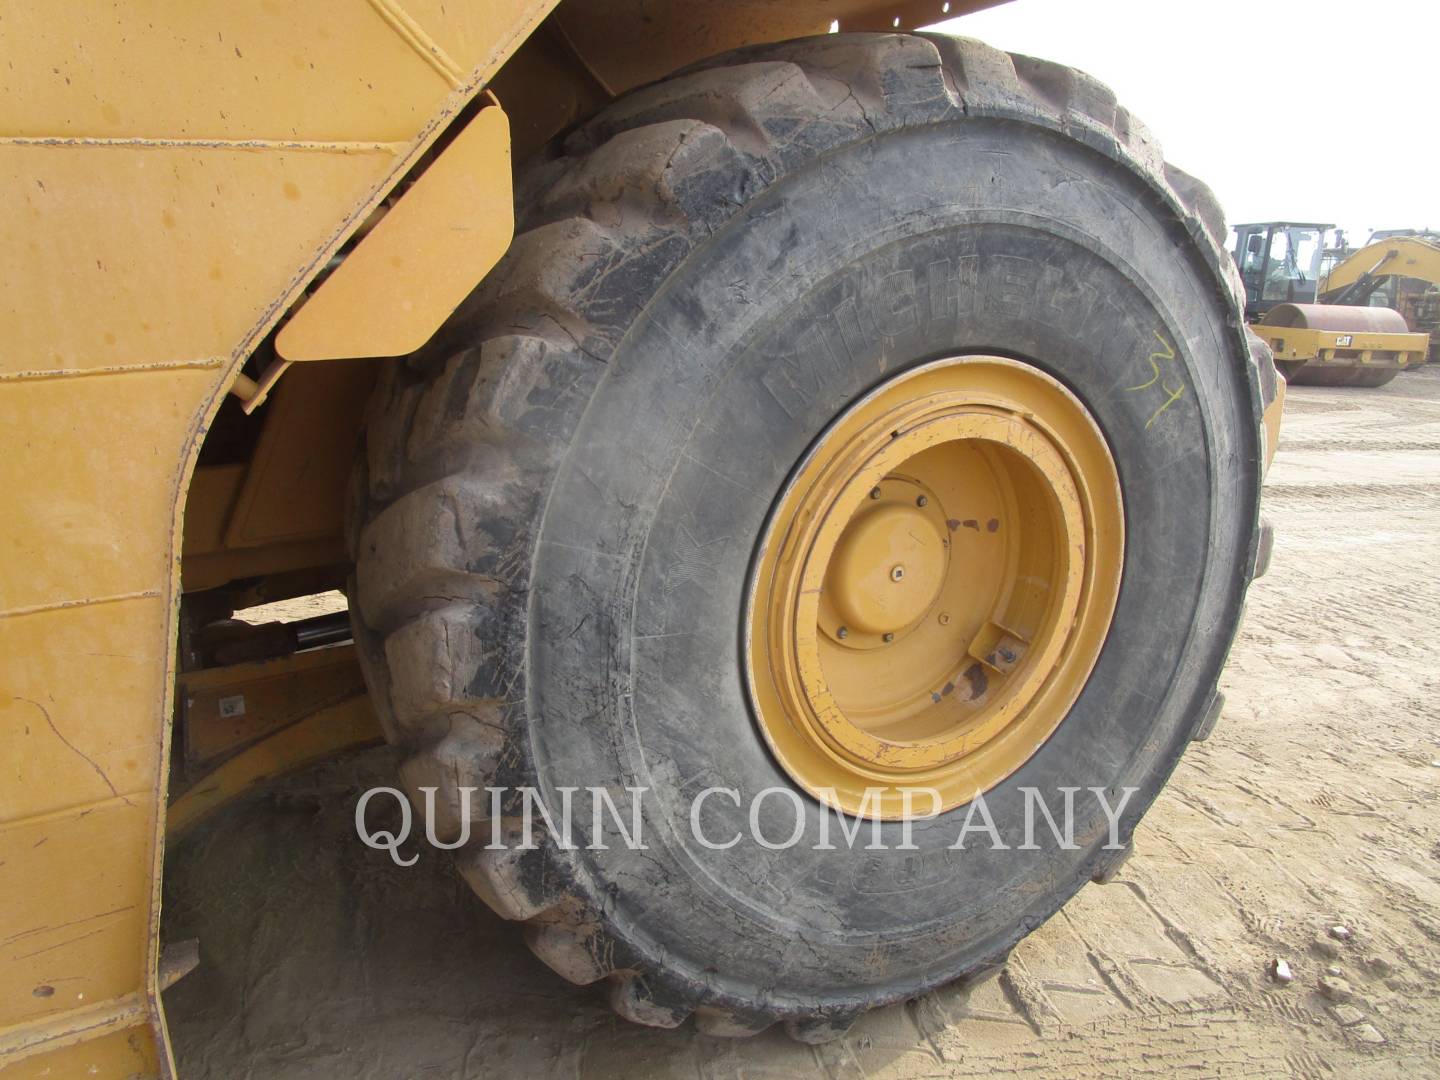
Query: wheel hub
[(934, 585), (888, 566)]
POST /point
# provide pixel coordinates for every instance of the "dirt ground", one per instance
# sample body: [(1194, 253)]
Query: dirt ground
[(1312, 806)]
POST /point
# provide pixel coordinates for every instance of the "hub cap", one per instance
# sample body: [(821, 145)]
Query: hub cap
[(934, 586)]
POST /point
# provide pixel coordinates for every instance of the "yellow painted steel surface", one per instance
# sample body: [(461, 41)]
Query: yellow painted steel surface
[(934, 586), (340, 726), (627, 43), (175, 173), (1270, 423), (413, 269), (284, 507), (234, 706), (1402, 256), (1341, 336), (1333, 348)]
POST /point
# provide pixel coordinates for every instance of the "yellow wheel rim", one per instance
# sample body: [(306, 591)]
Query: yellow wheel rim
[(934, 586)]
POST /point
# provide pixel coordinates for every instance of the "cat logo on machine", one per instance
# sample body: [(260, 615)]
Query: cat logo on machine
[(1343, 340)]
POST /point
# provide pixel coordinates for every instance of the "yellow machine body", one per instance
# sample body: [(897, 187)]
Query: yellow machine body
[(179, 177), (1404, 271), (1338, 335), (1400, 256), (1326, 328)]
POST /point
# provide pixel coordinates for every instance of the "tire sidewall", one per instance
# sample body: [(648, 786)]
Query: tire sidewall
[(885, 255)]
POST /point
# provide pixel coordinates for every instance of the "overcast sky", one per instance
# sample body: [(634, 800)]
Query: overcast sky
[(1324, 110)]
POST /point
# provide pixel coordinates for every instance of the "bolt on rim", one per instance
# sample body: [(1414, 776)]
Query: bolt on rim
[(934, 586)]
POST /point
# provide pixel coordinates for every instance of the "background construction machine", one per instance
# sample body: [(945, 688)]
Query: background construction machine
[(1398, 269), (1324, 328), (789, 418)]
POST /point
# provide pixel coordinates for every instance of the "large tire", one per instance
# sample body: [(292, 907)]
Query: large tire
[(560, 498)]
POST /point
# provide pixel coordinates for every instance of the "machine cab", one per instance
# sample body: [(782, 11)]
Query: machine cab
[(1279, 262)]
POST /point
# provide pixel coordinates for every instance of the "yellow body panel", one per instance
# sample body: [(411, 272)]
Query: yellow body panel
[(413, 269), (109, 1041), (630, 42), (240, 703), (76, 883), (1401, 256), (82, 489), (66, 744), (175, 174), (1270, 423), (283, 508), (113, 222), (336, 727), (278, 69), (1332, 347)]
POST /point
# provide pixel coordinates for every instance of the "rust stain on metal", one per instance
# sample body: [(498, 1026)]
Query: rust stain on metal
[(978, 680)]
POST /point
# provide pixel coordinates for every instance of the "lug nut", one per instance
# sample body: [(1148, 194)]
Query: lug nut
[(888, 638), (944, 618), (922, 501), (842, 633), (874, 493), (897, 573)]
